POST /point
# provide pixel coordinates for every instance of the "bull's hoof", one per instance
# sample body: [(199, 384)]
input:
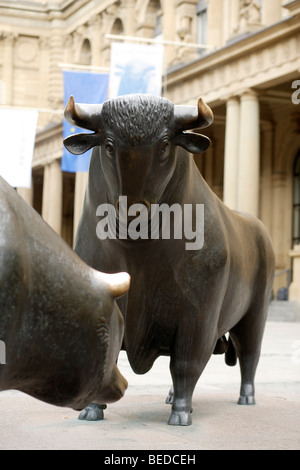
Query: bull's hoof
[(92, 412), (180, 418), (246, 400)]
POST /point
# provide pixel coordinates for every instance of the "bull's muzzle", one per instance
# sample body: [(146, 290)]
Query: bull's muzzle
[(130, 209)]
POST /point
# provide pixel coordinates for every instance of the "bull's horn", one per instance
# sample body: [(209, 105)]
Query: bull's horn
[(193, 117), (118, 284), (82, 115)]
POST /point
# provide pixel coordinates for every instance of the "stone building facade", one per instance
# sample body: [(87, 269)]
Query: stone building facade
[(246, 66)]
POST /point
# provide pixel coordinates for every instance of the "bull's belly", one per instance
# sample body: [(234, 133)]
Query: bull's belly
[(148, 335), (141, 361), (142, 351)]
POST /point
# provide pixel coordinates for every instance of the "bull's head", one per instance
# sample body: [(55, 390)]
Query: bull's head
[(138, 135)]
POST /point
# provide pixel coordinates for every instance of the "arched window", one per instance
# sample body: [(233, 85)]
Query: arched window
[(296, 200), (85, 53), (117, 27)]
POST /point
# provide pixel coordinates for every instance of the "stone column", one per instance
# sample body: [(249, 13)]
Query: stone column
[(55, 57), (80, 185), (249, 154), (52, 195), (231, 152), (271, 11)]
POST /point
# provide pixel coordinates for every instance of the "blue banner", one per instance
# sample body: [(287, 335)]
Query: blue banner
[(86, 87)]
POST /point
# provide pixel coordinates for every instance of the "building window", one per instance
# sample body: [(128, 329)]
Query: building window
[(85, 53), (117, 27), (158, 33), (201, 11), (296, 201)]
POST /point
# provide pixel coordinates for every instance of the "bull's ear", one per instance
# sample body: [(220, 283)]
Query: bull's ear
[(80, 143), (192, 142)]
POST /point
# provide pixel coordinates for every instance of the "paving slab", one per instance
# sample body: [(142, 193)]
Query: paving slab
[(139, 420)]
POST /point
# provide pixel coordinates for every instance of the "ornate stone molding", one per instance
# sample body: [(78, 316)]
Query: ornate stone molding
[(246, 64), (9, 37)]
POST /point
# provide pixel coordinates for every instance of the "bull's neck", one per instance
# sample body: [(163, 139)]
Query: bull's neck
[(185, 183)]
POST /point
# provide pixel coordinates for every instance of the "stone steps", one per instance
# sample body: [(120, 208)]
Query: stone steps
[(284, 310)]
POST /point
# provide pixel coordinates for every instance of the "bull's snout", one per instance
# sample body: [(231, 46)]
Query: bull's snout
[(115, 390), (130, 208)]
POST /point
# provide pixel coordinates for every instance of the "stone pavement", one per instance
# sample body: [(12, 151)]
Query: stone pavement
[(139, 420)]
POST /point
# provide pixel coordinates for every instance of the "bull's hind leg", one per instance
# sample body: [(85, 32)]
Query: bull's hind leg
[(247, 338)]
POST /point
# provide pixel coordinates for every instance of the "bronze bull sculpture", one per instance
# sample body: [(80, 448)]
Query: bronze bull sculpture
[(184, 298), (59, 322)]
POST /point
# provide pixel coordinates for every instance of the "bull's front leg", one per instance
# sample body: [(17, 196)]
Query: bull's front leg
[(187, 364)]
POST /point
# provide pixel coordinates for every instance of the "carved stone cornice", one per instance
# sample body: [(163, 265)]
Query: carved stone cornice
[(9, 37), (248, 63), (293, 7)]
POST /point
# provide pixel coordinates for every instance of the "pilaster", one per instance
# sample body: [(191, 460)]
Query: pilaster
[(8, 69), (55, 75)]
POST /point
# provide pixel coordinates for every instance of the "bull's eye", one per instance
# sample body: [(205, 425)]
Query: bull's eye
[(164, 150), (109, 147)]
